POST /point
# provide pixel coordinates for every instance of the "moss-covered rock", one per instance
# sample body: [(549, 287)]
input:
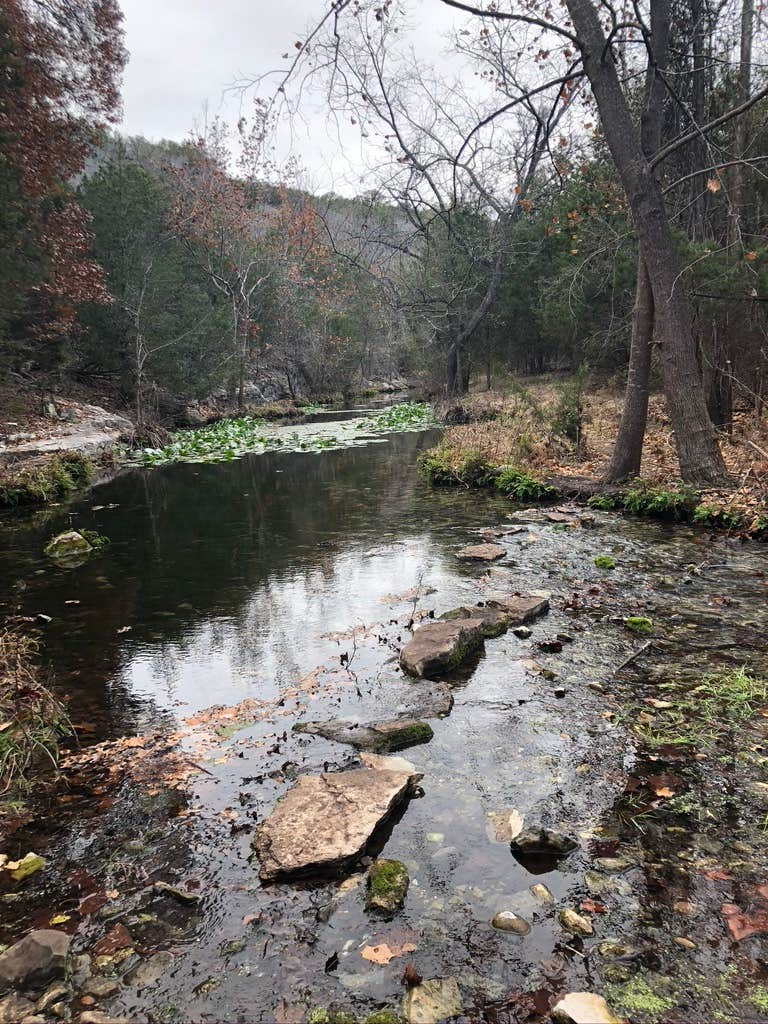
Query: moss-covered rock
[(387, 883), (605, 562), (68, 545)]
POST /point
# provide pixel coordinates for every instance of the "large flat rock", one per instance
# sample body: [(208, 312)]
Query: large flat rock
[(325, 822), (518, 608), (380, 737), (481, 553), (441, 646)]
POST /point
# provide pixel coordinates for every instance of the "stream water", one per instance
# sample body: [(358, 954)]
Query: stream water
[(244, 583)]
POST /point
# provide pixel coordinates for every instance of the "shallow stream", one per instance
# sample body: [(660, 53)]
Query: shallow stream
[(285, 583)]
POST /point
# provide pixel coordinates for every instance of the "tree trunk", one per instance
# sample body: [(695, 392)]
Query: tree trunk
[(698, 453), (628, 449), (740, 139)]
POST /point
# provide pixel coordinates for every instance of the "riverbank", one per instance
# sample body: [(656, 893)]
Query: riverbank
[(51, 448), (559, 438)]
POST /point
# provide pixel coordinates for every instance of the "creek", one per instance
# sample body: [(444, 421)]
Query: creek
[(284, 583)]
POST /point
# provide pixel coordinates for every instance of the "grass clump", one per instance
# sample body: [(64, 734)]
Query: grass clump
[(643, 500), (444, 466), (721, 701), (44, 482), (32, 721), (759, 998)]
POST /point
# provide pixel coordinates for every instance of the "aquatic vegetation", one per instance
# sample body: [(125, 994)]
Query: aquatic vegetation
[(232, 438), (45, 482), (403, 416)]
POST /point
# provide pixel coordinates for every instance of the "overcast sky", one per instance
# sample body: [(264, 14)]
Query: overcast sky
[(185, 53)]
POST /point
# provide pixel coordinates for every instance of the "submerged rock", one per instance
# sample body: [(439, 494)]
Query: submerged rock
[(391, 764), (376, 736), (616, 864), (440, 646), (583, 1008), (432, 1001), (575, 923), (14, 1008), (503, 826), (151, 970), (427, 700), (324, 822), (506, 921), (387, 883), (481, 553), (39, 957), (543, 895)]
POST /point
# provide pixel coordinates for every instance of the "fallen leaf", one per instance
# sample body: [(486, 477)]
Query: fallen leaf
[(762, 890), (713, 185), (118, 937), (661, 704), (250, 918), (719, 875), (59, 919), (664, 791), (383, 953), (741, 925), (593, 907)]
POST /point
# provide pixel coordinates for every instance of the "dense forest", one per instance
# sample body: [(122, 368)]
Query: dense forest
[(499, 232)]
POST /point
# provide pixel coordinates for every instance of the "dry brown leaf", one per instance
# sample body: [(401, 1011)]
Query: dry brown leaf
[(383, 953)]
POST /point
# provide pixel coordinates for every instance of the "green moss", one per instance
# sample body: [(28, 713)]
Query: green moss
[(759, 998), (411, 736), (637, 996), (387, 883), (443, 468), (322, 1015), (96, 540), (639, 624), (45, 482), (605, 562), (383, 1017)]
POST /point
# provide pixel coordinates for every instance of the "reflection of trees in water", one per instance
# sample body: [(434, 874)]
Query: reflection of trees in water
[(213, 559)]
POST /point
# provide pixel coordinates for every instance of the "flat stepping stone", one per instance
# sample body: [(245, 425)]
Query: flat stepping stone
[(481, 553), (519, 608), (441, 646), (494, 621), (324, 822), (380, 737)]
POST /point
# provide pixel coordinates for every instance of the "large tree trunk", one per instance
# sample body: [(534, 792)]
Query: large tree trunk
[(628, 449), (698, 453)]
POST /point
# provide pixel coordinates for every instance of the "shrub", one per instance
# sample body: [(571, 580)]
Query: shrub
[(34, 721), (569, 413)]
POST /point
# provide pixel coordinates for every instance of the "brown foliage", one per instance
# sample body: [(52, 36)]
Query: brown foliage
[(62, 63)]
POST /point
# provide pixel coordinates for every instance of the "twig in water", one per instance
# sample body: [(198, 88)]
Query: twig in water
[(635, 654)]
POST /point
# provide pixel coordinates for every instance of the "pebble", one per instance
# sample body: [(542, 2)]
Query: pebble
[(523, 632), (575, 923), (506, 921), (542, 894)]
